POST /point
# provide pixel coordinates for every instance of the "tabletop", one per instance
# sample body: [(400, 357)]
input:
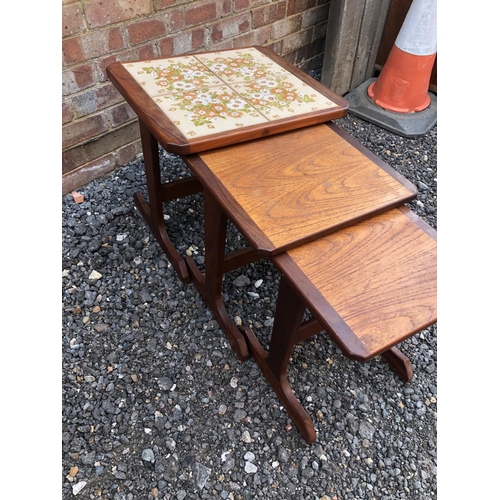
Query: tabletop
[(285, 190), (202, 101)]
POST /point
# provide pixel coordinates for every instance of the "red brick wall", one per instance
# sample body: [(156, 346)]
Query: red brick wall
[(99, 130)]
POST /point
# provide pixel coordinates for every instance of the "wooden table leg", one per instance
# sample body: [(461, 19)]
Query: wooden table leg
[(209, 284), (287, 322), (152, 212), (399, 363)]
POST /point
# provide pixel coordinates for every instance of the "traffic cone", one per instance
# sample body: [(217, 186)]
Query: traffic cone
[(399, 98), (403, 83)]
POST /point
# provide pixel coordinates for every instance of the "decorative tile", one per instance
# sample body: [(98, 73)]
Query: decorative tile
[(208, 93), (173, 76), (282, 96), (208, 111), (243, 65)]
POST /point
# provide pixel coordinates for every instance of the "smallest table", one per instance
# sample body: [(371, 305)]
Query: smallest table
[(369, 286)]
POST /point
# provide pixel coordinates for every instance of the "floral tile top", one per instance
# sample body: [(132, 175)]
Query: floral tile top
[(210, 93)]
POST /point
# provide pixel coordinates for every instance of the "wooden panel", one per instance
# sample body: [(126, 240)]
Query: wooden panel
[(377, 281), (353, 36), (284, 190), (372, 27)]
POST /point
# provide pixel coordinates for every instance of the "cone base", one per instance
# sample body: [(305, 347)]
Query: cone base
[(406, 125)]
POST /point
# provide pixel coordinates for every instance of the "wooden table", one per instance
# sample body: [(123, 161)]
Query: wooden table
[(281, 192), (257, 135), (204, 101)]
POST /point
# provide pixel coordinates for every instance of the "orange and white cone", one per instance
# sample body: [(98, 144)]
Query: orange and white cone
[(403, 83)]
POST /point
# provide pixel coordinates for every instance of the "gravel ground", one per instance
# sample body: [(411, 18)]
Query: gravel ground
[(156, 404)]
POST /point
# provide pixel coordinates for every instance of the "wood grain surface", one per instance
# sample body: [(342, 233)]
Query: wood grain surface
[(293, 187), (379, 276)]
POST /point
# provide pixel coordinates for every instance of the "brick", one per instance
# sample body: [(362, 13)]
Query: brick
[(226, 44), (259, 36), (230, 27), (200, 14), (88, 172), (111, 141), (121, 114), (315, 62), (83, 130), (107, 95), (72, 51), (84, 104), (176, 20), (72, 159), (162, 4), (286, 27), (198, 38), (67, 111), (146, 52), (241, 5), (224, 8), (166, 47), (306, 52), (127, 55), (320, 30), (276, 47), (258, 3), (296, 6), (188, 41), (315, 16), (128, 153), (143, 31), (115, 39), (101, 42), (268, 14), (72, 19), (78, 78), (291, 57), (296, 40), (108, 143), (78, 197), (99, 13)]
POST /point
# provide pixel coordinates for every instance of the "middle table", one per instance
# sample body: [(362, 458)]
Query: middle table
[(281, 192)]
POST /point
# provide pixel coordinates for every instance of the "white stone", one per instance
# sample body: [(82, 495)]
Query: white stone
[(78, 487), (245, 437), (250, 468), (95, 275)]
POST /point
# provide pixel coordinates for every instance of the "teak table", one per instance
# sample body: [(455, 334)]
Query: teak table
[(205, 101), (281, 192), (257, 135)]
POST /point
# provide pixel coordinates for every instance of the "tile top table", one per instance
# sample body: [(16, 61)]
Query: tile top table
[(203, 101)]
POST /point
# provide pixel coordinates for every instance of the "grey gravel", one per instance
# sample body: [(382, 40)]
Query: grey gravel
[(155, 402)]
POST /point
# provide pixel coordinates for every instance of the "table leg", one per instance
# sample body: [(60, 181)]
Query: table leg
[(399, 363), (152, 212), (287, 323), (210, 284), (289, 330)]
